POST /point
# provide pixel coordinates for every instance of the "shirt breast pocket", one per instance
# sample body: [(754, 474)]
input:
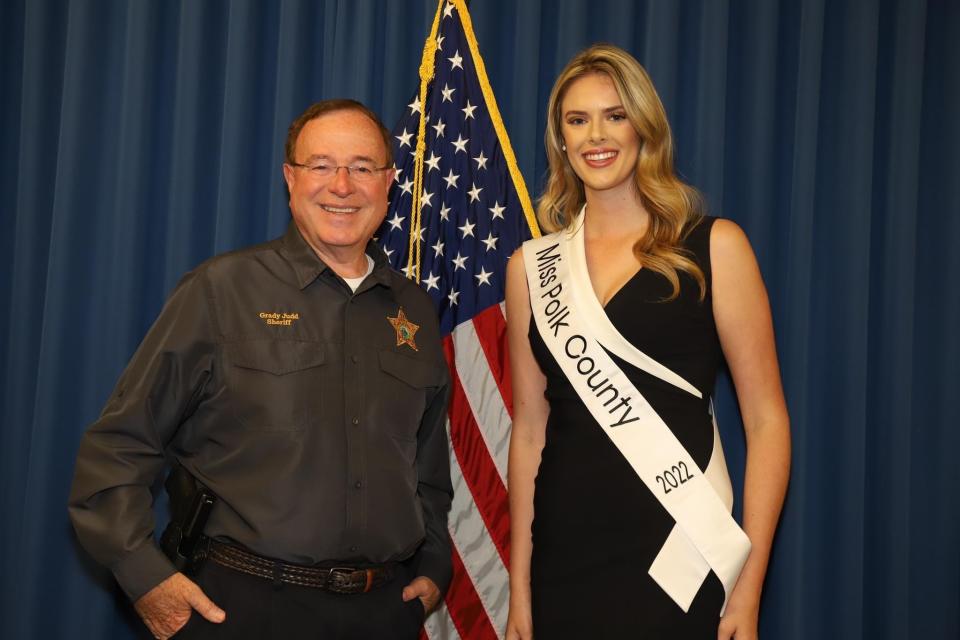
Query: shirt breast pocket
[(405, 388), (276, 385)]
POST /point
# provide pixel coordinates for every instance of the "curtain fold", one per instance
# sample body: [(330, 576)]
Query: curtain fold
[(140, 138)]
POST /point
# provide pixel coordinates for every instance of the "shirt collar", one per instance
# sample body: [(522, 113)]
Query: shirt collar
[(308, 266)]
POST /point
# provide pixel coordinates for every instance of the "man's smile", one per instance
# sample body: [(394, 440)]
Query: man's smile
[(334, 209)]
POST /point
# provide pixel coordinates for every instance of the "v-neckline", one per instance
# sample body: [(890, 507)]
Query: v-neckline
[(593, 289), (616, 293), (591, 312), (586, 264)]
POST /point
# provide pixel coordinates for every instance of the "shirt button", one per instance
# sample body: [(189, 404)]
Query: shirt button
[(354, 359), (355, 421), (358, 484), (354, 548)]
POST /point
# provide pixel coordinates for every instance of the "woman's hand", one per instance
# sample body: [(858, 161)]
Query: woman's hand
[(739, 621), (520, 618)]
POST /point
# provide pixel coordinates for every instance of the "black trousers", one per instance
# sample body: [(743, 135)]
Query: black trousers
[(258, 609)]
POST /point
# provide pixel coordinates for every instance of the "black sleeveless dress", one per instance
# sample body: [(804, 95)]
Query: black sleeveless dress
[(597, 528)]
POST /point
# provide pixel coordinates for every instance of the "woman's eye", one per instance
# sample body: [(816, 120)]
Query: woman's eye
[(576, 121), (617, 117)]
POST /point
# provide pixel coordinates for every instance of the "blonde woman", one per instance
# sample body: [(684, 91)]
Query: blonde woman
[(619, 319)]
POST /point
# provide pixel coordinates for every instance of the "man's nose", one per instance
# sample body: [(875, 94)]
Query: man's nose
[(340, 183)]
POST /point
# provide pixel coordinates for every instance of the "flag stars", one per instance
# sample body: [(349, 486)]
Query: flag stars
[(431, 282), (447, 93), (475, 193), (404, 138), (425, 199), (467, 228), (460, 143), (396, 221), (483, 277), (451, 180), (435, 273)]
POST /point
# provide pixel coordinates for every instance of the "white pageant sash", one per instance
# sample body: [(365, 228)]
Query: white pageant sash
[(573, 325)]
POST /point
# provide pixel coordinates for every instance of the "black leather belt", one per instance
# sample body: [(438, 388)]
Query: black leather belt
[(335, 579)]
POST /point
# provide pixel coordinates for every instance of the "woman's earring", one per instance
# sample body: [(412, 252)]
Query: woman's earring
[(563, 146)]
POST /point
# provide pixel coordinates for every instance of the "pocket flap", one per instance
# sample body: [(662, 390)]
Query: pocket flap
[(413, 371), (278, 357)]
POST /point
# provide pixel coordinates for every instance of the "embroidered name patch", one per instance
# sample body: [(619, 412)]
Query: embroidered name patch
[(282, 319)]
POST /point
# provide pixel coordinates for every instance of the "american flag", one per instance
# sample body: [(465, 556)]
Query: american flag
[(474, 211)]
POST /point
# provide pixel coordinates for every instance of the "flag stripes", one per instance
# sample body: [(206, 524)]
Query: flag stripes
[(482, 393), (483, 564), (476, 465), (491, 328), (467, 611)]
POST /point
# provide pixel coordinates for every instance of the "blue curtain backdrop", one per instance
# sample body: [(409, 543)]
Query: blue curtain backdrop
[(139, 138)]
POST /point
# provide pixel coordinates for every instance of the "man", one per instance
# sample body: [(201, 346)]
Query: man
[(303, 383)]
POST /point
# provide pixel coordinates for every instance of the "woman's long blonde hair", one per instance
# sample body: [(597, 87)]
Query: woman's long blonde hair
[(674, 206)]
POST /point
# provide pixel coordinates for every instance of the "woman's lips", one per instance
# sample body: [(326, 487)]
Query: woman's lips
[(600, 158)]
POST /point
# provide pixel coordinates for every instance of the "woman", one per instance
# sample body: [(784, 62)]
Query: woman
[(605, 438)]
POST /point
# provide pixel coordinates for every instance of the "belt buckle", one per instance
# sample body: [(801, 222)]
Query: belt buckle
[(338, 580)]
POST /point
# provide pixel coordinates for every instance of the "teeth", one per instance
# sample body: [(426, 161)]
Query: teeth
[(339, 209), (600, 156)]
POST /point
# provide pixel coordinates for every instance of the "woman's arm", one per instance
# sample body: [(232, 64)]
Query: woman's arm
[(530, 411), (742, 313)]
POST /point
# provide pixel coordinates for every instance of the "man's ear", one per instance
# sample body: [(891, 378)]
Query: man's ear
[(289, 177)]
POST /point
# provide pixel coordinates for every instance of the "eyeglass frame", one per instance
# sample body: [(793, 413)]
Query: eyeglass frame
[(335, 169)]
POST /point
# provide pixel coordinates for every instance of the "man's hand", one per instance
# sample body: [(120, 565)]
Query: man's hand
[(423, 588), (166, 608)]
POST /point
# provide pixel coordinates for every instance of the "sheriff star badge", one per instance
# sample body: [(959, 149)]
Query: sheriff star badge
[(405, 329)]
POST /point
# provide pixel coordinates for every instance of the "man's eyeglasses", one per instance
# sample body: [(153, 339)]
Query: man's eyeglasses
[(361, 172)]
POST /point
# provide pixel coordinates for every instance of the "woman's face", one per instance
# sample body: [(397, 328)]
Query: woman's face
[(602, 146)]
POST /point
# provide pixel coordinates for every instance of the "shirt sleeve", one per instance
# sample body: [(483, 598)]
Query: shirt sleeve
[(435, 489), (122, 454)]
